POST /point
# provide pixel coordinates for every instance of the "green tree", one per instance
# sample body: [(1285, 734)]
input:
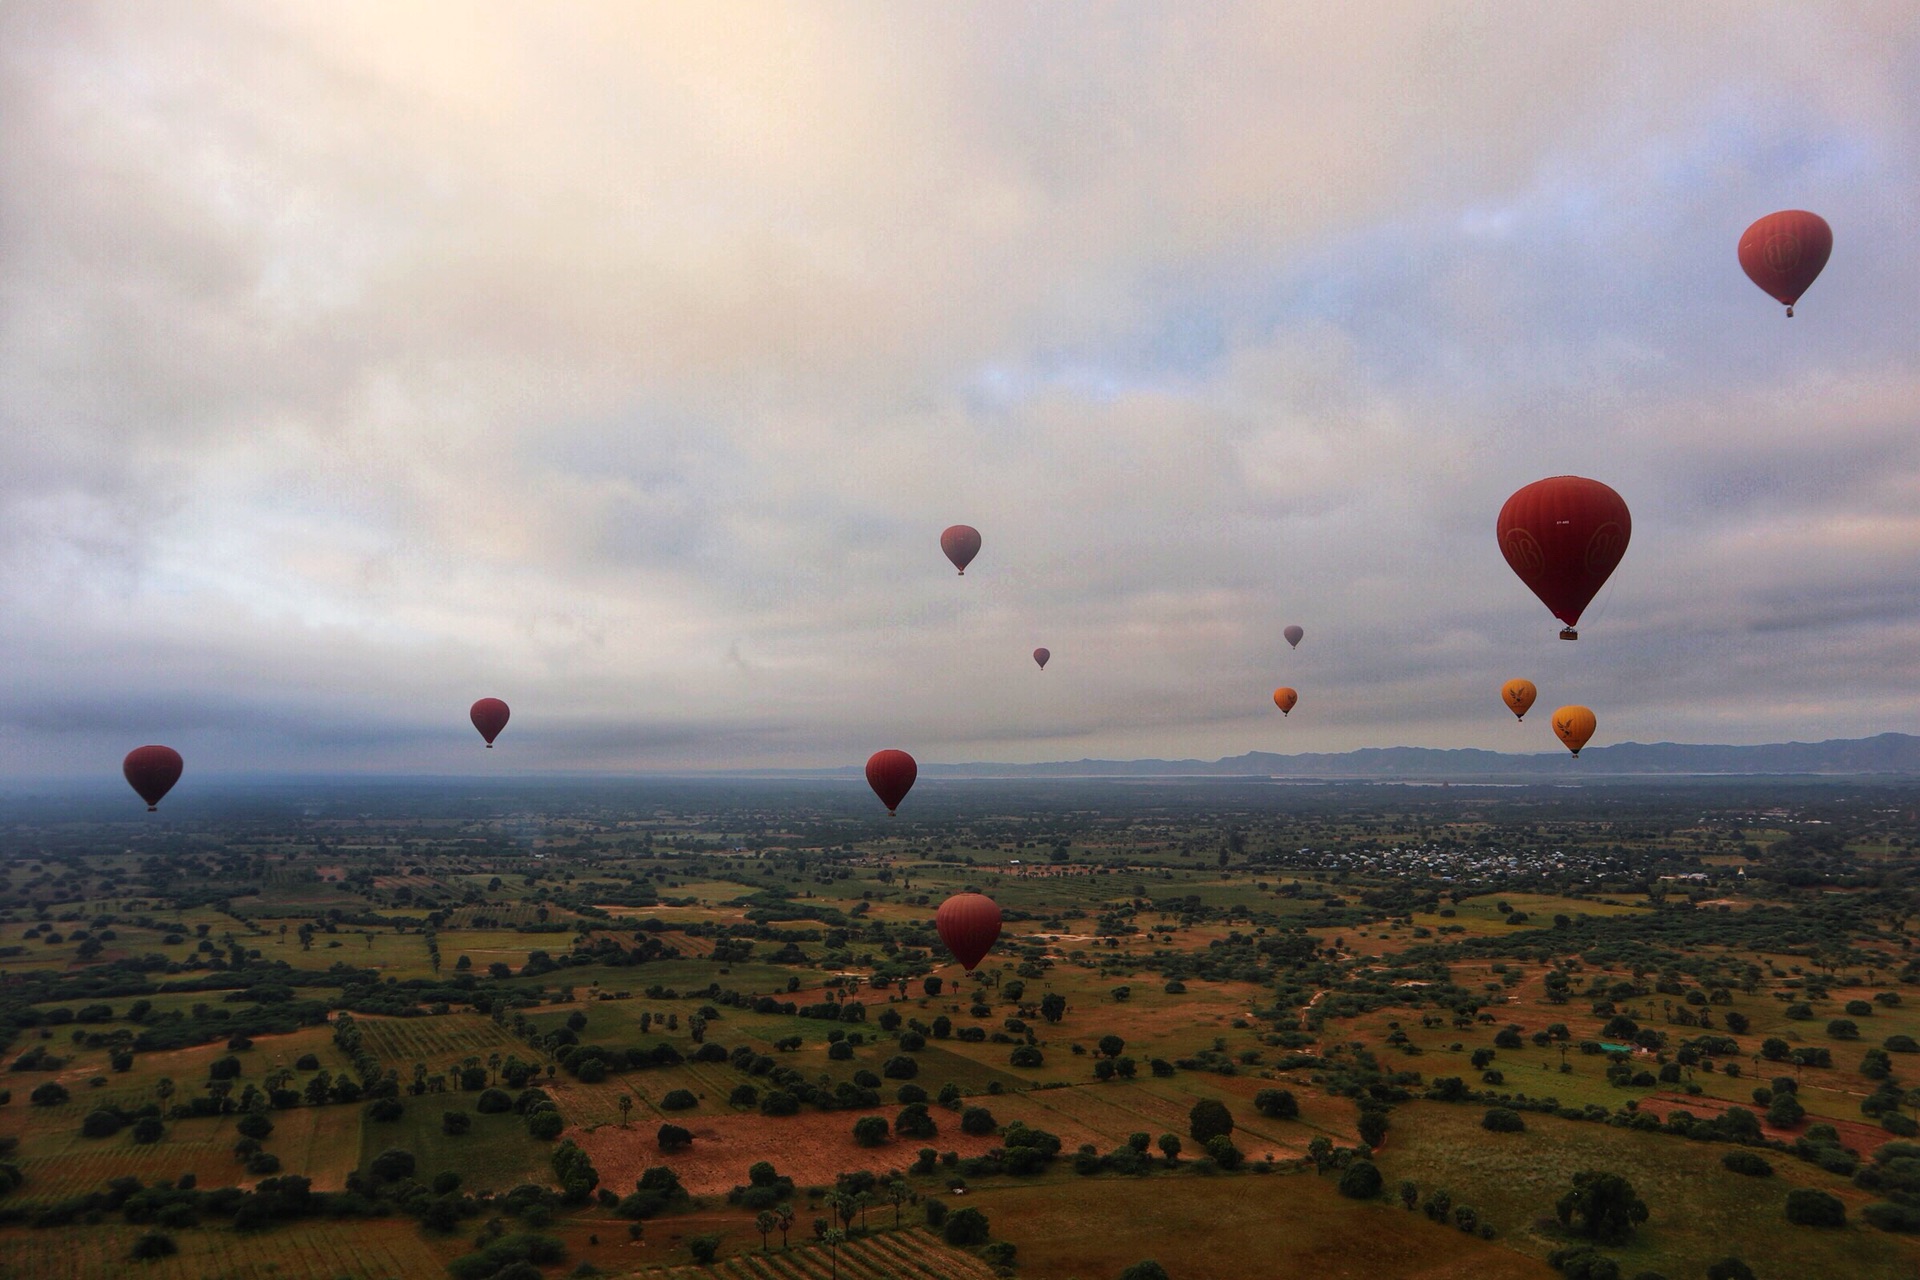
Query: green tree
[(1209, 1119), (1811, 1207), (1602, 1206), (1170, 1147), (1145, 1269), (965, 1227), (1729, 1268)]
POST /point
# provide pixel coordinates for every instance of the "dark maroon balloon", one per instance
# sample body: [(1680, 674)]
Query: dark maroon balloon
[(1784, 252), (1294, 636), (891, 773), (969, 923), (961, 542), (1040, 656), (1563, 536), (152, 771), (489, 717)]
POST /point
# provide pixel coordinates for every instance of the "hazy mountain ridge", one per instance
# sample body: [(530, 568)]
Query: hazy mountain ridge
[(1887, 753)]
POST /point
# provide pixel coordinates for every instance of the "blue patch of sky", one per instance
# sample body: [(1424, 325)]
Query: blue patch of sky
[(1636, 260)]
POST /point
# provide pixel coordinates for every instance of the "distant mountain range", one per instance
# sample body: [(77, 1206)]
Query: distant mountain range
[(1895, 754)]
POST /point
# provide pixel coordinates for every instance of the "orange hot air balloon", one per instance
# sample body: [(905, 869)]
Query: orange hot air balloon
[(1564, 536), (961, 542), (969, 923), (489, 716), (152, 771), (1519, 696), (891, 773), (1285, 699), (1784, 252), (1573, 726), (1040, 656), (1293, 635)]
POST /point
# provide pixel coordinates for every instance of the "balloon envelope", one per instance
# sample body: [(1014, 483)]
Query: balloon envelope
[(1293, 635), (489, 716), (1783, 253), (969, 923), (891, 773), (1519, 696), (1040, 656), (152, 771), (1573, 726), (1285, 699), (961, 542), (1564, 536)]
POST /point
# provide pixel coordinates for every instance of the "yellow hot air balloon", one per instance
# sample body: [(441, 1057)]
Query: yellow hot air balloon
[(1573, 726), (1285, 698), (1518, 695)]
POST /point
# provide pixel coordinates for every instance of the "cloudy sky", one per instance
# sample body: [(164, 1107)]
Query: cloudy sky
[(625, 362)]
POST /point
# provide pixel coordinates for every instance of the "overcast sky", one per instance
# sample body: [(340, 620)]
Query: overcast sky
[(358, 360)]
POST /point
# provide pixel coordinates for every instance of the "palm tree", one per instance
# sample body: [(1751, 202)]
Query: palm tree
[(898, 1193), (493, 1065), (163, 1088), (784, 1212), (833, 1239), (626, 1105), (764, 1222)]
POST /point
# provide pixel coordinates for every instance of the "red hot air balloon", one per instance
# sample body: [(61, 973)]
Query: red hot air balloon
[(1294, 635), (969, 923), (1564, 536), (961, 542), (1040, 656), (489, 716), (1784, 252), (152, 771), (891, 774)]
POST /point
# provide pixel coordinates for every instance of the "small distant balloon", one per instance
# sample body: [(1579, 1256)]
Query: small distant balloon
[(152, 771), (1784, 252), (961, 542), (489, 716), (1573, 726), (1519, 696), (969, 923), (1293, 635), (1285, 699), (891, 773), (1564, 536), (1040, 656)]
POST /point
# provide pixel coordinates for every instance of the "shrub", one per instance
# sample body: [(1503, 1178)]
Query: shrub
[(252, 1126), (545, 1124), (392, 1164), (1811, 1207), (101, 1124), (50, 1094), (455, 1123), (1278, 1103), (1361, 1181), (1503, 1120), (679, 1100), (977, 1121), (154, 1244), (1729, 1268), (493, 1102), (1748, 1163), (964, 1228)]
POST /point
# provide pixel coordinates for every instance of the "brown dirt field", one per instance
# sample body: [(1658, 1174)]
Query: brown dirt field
[(811, 1148), (1862, 1139)]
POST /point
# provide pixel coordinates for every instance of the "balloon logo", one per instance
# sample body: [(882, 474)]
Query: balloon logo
[(1573, 726), (1563, 537), (489, 716), (1040, 656), (969, 923), (1784, 252), (891, 774), (1285, 699), (1293, 635), (961, 542), (152, 771), (1519, 696)]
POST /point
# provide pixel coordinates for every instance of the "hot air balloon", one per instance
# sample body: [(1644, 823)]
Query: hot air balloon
[(891, 774), (1563, 536), (1783, 253), (1573, 726), (1285, 698), (489, 716), (969, 923), (1519, 696), (152, 771), (961, 542), (1040, 656), (1293, 635)]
